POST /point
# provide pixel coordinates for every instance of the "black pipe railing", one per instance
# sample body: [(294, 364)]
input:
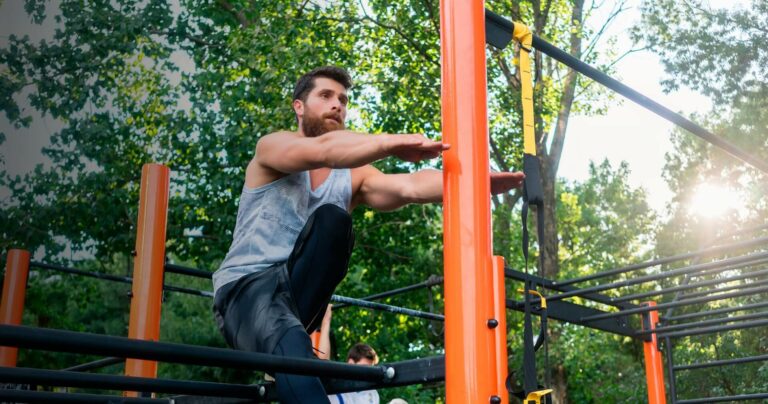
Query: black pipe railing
[(679, 303), (723, 310), (724, 362), (684, 326), (68, 341), (667, 260), (27, 396), (741, 397), (716, 266), (695, 285), (432, 281), (714, 329)]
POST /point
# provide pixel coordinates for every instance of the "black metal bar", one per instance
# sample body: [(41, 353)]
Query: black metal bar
[(742, 397), (692, 286), (496, 21), (386, 307), (712, 330), (68, 341), (596, 297), (724, 362), (45, 397), (717, 311), (61, 378), (115, 278), (666, 260), (182, 270), (727, 288), (97, 364), (432, 281), (698, 324), (671, 370), (685, 302), (723, 265), (573, 313)]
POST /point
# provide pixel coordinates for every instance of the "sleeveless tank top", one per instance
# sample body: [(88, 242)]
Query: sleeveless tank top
[(270, 218)]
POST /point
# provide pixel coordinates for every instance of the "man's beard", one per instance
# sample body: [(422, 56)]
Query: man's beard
[(314, 126)]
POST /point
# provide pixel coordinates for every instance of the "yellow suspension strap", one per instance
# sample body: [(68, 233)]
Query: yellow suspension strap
[(533, 194)]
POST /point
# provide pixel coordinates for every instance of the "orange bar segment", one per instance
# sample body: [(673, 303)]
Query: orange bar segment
[(654, 371), (500, 332), (469, 342), (148, 268), (14, 292)]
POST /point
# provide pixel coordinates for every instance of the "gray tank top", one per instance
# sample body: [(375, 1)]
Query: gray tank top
[(270, 218)]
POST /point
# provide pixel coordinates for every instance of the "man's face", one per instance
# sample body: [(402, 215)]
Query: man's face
[(325, 109)]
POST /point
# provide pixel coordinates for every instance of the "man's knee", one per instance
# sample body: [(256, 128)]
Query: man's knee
[(332, 216)]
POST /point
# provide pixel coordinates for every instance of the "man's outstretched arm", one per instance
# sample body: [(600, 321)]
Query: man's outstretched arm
[(387, 192), (290, 152)]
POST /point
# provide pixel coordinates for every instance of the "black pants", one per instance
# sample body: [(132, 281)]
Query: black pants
[(317, 264)]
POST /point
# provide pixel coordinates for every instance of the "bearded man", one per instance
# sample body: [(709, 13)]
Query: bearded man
[(293, 236)]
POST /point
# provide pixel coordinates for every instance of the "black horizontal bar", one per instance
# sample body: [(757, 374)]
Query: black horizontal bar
[(496, 21), (698, 324), (741, 397), (678, 303), (712, 330), (667, 260), (386, 307), (115, 278), (62, 378), (717, 311), (68, 341), (45, 397), (432, 281), (182, 270), (727, 288), (724, 265), (596, 297), (723, 362), (693, 286), (573, 313), (97, 364)]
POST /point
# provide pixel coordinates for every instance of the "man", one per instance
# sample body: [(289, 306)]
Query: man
[(359, 354), (293, 235)]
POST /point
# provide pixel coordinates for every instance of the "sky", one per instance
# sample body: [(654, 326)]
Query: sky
[(626, 132)]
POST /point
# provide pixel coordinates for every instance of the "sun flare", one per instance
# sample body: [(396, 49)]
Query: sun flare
[(712, 201)]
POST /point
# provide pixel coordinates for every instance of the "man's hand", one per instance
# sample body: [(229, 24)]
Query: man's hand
[(414, 148), (502, 181)]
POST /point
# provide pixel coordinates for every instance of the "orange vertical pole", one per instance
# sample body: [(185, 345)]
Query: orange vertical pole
[(654, 371), (500, 331), (469, 342), (12, 305), (315, 337), (148, 267)]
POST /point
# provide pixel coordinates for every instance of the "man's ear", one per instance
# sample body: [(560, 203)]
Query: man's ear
[(298, 108)]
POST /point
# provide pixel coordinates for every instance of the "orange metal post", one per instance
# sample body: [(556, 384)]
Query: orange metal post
[(148, 267), (654, 371), (315, 337), (12, 305), (500, 332), (469, 342)]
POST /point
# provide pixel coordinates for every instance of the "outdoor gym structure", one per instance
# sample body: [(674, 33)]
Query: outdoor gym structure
[(475, 367)]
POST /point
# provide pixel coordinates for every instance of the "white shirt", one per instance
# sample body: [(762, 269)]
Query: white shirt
[(358, 397)]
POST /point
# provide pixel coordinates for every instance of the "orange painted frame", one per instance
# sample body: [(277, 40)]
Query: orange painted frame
[(14, 292), (470, 345), (654, 371), (149, 265)]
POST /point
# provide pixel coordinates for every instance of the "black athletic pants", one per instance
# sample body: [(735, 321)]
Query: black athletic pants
[(317, 264)]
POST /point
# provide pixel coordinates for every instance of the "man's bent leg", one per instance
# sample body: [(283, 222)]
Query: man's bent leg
[(295, 388), (319, 261)]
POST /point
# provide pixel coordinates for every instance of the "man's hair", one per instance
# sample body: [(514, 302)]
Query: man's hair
[(307, 82), (360, 351)]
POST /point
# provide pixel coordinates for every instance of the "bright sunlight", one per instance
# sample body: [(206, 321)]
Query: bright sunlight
[(713, 201)]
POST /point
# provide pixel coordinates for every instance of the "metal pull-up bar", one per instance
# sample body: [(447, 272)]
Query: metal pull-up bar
[(499, 29)]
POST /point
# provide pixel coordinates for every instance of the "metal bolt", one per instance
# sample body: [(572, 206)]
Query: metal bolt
[(262, 391), (133, 253), (495, 400), (493, 323)]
